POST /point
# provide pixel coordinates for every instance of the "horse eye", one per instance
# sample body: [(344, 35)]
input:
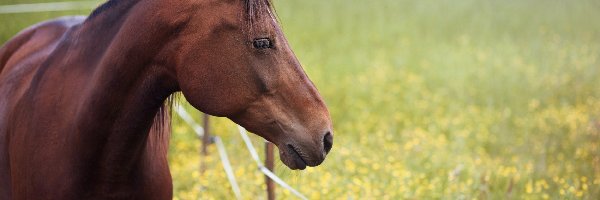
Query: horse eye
[(263, 43)]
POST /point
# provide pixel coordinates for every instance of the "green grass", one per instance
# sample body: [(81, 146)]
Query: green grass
[(431, 100)]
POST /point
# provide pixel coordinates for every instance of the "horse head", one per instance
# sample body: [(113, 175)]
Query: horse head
[(234, 61)]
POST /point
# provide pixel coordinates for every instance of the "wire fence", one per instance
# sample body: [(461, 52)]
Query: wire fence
[(183, 114), (223, 155), (48, 7)]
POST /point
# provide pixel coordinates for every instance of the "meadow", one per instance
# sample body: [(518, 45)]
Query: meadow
[(445, 99)]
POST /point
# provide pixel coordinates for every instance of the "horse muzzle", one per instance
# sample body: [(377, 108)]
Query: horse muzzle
[(297, 155)]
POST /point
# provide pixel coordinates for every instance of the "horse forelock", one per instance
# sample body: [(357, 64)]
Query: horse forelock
[(257, 9)]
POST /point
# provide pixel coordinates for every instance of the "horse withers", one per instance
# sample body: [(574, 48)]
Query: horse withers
[(82, 99)]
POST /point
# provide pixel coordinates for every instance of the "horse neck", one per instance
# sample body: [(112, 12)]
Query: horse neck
[(128, 86), (131, 80)]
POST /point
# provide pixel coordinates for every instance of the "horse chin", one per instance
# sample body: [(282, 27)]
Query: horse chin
[(291, 159)]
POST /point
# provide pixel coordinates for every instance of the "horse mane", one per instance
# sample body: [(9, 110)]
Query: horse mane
[(161, 126), (103, 7), (254, 8)]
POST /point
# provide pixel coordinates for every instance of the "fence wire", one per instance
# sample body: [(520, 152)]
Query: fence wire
[(47, 7), (223, 154)]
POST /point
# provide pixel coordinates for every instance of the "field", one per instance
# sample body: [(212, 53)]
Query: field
[(469, 99)]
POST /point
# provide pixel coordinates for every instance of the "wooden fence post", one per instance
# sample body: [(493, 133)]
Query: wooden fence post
[(206, 140), (269, 163)]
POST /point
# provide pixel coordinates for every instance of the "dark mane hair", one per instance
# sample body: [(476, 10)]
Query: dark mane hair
[(162, 124), (103, 7), (254, 8)]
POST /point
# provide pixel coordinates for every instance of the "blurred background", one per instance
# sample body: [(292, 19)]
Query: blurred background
[(431, 99)]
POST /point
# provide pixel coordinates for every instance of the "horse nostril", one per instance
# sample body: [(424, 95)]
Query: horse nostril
[(327, 142)]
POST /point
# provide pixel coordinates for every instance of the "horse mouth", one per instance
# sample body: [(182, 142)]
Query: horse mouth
[(297, 159)]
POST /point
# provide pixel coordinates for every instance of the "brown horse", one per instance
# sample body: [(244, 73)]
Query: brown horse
[(82, 100)]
